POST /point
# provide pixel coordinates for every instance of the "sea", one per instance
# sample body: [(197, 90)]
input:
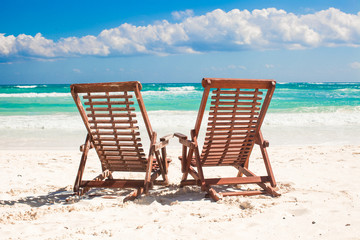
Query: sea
[(39, 116)]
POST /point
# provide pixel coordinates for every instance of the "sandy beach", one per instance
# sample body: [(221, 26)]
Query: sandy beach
[(320, 200)]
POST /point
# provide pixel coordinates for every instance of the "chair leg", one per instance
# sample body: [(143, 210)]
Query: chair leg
[(186, 163), (266, 160), (148, 174), (160, 160), (200, 171), (134, 194), (82, 165), (270, 190), (214, 195)]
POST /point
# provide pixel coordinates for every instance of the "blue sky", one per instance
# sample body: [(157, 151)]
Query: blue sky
[(178, 41)]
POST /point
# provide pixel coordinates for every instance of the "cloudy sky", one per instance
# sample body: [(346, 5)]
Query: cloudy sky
[(65, 41)]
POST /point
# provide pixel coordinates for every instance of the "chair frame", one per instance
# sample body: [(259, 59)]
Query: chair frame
[(157, 161), (190, 149)]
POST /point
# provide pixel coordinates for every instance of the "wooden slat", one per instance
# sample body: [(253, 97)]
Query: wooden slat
[(121, 139), (113, 183), (234, 103), (127, 163), (229, 161), (112, 115), (227, 133), (122, 149), (215, 151), (108, 144), (132, 168), (218, 124), (105, 87), (224, 144), (228, 138), (218, 108), (110, 109), (229, 128), (109, 103), (229, 181), (235, 92), (123, 158), (234, 114), (224, 162), (98, 121), (217, 118), (128, 150), (112, 133), (114, 148), (119, 152), (106, 97), (223, 156), (124, 154), (124, 169), (238, 83), (229, 142), (115, 127), (127, 160), (238, 97), (215, 155), (118, 144), (139, 163)]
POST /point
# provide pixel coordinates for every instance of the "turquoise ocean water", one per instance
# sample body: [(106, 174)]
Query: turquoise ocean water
[(288, 97), (45, 116)]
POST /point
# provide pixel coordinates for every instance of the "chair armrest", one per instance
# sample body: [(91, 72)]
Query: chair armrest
[(163, 142), (166, 137), (160, 145), (265, 143), (82, 147), (180, 136), (183, 140)]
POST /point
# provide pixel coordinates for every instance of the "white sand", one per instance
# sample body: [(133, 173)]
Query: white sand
[(319, 186)]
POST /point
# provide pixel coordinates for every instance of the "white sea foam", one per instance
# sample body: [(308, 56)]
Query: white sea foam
[(34, 95), (172, 91), (168, 120), (26, 86), (182, 89), (279, 128), (336, 119), (347, 90)]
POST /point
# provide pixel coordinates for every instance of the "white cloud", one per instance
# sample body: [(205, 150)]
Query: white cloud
[(217, 30), (178, 15), (6, 44), (269, 65), (355, 65), (76, 70), (229, 67), (232, 66)]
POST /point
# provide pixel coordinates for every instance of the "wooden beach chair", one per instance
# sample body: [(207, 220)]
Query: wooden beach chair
[(107, 110), (236, 113)]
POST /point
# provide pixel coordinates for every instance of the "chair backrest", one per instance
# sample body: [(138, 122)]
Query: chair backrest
[(236, 113), (107, 110)]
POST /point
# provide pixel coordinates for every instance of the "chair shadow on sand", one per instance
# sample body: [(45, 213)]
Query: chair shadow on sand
[(164, 195)]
